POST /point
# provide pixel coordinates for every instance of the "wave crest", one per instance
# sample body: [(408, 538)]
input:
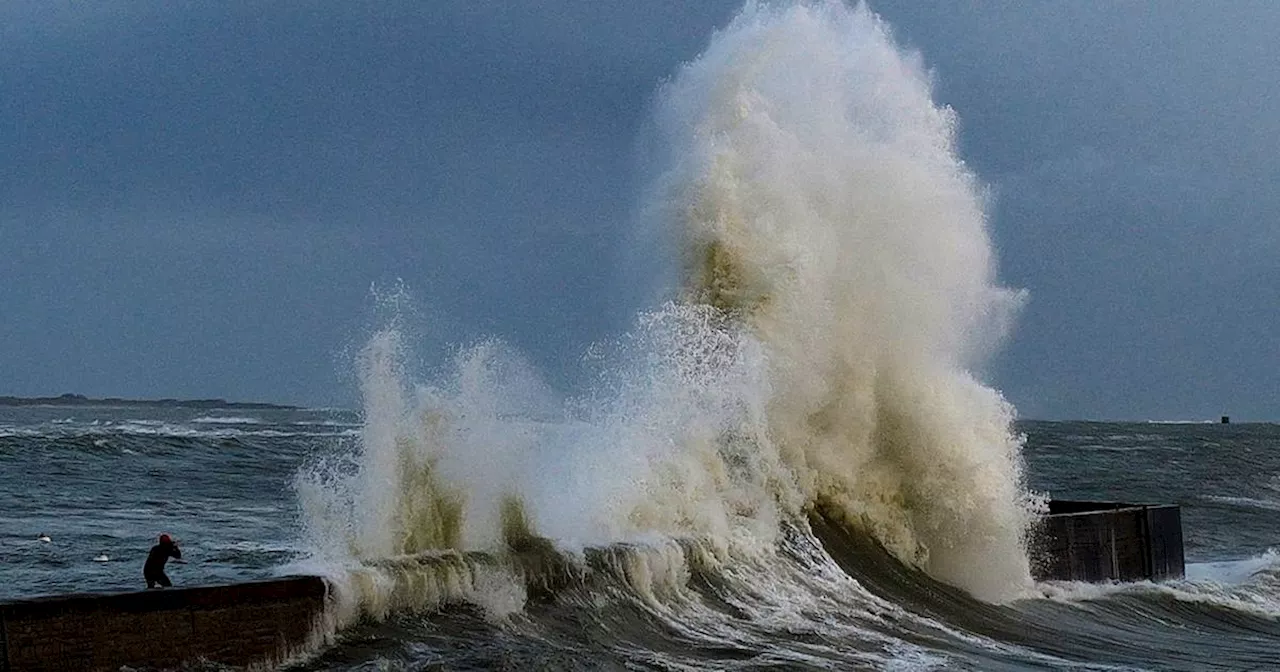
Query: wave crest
[(837, 292)]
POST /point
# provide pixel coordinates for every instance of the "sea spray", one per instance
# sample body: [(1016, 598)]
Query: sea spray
[(838, 292), (820, 202)]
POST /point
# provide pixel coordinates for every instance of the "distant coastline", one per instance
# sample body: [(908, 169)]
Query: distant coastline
[(81, 400)]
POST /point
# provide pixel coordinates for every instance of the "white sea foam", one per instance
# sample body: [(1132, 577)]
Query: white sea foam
[(226, 420), (1248, 585), (1233, 571), (1247, 502), (254, 547), (1254, 596), (326, 423), (156, 428)]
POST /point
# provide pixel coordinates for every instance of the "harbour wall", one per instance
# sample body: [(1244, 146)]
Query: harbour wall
[(1108, 541), (254, 623), (263, 623)]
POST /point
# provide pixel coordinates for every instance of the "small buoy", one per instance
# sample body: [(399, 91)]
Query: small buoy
[(101, 558), (44, 537)]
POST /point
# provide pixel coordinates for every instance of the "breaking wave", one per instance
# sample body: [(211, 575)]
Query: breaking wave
[(836, 295), (790, 460)]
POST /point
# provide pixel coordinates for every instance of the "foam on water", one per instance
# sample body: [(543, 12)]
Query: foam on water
[(1247, 586), (1247, 502), (1233, 571), (226, 420)]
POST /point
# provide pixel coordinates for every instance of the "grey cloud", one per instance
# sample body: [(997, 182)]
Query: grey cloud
[(196, 197)]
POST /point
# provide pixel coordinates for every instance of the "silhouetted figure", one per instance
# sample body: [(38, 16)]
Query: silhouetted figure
[(160, 554)]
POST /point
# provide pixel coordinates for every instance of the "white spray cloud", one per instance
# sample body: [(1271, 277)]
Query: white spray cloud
[(840, 290), (820, 197)]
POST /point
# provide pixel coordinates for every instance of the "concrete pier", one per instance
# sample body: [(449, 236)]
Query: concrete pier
[(1108, 541), (236, 625)]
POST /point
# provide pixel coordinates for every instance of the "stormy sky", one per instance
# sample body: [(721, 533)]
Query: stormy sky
[(196, 198)]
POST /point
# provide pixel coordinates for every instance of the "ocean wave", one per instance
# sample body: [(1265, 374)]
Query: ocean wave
[(226, 420), (791, 461), (1233, 571), (823, 595), (692, 594), (326, 423), (163, 430), (1247, 502)]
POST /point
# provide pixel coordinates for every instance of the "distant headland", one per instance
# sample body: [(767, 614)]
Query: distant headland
[(81, 400)]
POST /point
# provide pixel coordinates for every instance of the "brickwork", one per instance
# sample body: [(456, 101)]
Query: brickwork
[(236, 625)]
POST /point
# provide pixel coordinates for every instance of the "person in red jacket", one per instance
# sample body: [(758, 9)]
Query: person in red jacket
[(153, 571)]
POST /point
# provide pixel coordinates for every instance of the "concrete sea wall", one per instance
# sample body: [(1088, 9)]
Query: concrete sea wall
[(1108, 541), (264, 622), (238, 625)]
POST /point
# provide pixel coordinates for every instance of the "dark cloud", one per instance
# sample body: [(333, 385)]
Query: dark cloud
[(1130, 149), (197, 196)]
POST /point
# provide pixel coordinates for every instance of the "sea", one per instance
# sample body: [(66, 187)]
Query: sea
[(105, 481), (792, 458)]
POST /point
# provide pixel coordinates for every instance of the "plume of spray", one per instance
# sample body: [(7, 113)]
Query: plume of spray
[(837, 291), (818, 200)]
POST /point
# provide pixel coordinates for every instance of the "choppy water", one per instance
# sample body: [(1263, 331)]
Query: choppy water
[(109, 479), (790, 460)]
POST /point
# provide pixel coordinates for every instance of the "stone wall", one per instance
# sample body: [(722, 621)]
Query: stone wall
[(1104, 541), (240, 624)]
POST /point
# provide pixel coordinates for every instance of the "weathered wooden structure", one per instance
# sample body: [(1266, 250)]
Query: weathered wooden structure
[(1108, 541)]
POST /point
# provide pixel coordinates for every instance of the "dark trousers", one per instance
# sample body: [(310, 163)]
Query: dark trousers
[(157, 578)]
